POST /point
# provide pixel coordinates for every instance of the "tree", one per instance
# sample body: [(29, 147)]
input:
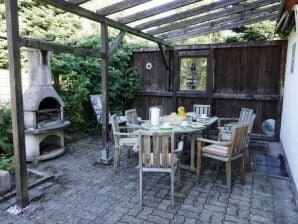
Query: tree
[(39, 21), (258, 31)]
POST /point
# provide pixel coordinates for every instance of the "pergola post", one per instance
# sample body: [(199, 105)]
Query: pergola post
[(105, 92), (13, 43)]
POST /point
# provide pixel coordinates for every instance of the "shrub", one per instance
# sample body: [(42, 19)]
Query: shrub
[(80, 76), (5, 124), (6, 162)]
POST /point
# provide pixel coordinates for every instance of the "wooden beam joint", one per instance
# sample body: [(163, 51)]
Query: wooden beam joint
[(164, 56)]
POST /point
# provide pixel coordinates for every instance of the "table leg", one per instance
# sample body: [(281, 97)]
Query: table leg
[(192, 151)]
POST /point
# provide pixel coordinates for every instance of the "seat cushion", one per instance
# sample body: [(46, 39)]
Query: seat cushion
[(128, 141), (216, 150)]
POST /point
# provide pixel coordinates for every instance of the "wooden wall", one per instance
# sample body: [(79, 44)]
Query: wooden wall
[(241, 75)]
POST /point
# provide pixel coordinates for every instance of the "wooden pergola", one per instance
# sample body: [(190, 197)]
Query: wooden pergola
[(192, 20)]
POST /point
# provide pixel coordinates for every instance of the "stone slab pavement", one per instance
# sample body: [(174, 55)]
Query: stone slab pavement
[(84, 191)]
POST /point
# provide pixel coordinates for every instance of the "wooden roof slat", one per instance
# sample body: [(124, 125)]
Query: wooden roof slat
[(220, 27), (156, 10), (208, 17), (78, 2), (117, 7), (77, 10), (191, 12), (233, 18)]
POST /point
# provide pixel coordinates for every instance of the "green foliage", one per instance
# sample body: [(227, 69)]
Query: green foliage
[(39, 21), (6, 163), (5, 124), (81, 76), (259, 31)]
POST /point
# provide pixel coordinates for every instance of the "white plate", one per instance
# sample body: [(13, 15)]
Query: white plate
[(197, 125), (166, 128)]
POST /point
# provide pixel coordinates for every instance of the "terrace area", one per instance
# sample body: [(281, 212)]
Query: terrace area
[(189, 107), (84, 191)]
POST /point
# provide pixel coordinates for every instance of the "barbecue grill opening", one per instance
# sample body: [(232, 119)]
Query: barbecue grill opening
[(50, 143), (49, 113)]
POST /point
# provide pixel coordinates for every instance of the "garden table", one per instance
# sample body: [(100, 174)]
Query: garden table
[(190, 130)]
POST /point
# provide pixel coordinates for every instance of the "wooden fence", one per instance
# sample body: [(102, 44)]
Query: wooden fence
[(239, 75)]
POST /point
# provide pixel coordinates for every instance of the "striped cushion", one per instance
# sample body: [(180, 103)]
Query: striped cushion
[(216, 150)]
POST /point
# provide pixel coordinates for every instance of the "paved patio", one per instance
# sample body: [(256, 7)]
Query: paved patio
[(86, 192)]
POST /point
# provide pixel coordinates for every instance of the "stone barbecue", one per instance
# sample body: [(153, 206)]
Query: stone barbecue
[(43, 110)]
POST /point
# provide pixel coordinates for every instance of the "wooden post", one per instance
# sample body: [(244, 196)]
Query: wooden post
[(210, 77), (105, 91), (13, 43), (174, 74), (283, 60)]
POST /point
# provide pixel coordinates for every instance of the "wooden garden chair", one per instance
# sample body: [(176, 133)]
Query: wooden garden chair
[(199, 109), (132, 119), (122, 140), (225, 134), (225, 151), (154, 156), (244, 117)]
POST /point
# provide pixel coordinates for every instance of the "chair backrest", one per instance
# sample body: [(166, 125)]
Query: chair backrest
[(160, 110), (156, 145), (201, 109), (239, 138), (97, 106), (251, 123), (131, 117), (245, 115), (115, 128)]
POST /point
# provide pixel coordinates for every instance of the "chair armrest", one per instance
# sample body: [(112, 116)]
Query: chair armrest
[(117, 112), (219, 121), (213, 142), (126, 127), (179, 147), (124, 134), (134, 126)]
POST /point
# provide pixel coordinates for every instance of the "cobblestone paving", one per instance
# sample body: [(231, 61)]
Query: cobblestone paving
[(86, 192)]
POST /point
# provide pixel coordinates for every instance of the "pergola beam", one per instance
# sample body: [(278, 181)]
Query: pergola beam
[(164, 56), (117, 7), (46, 46), (114, 46), (211, 16), (17, 114), (230, 19), (156, 10), (220, 27), (78, 2), (182, 15), (77, 10)]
